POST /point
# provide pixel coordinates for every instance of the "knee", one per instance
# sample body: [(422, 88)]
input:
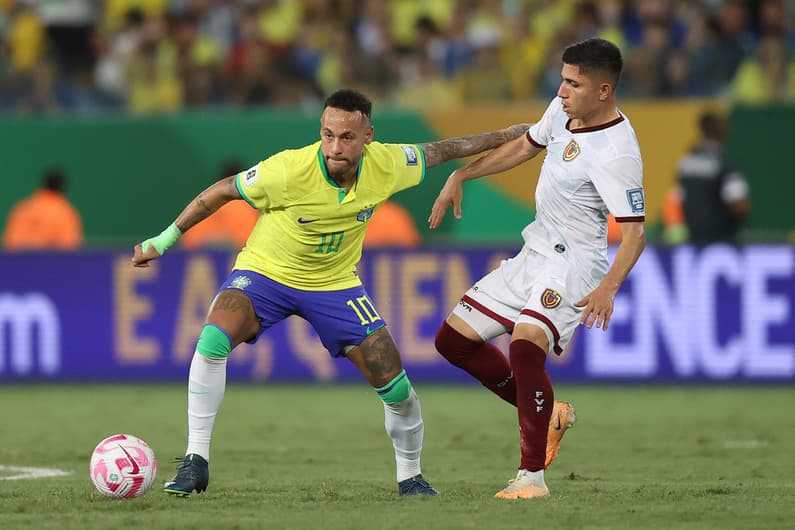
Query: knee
[(452, 345), (214, 343), (531, 333)]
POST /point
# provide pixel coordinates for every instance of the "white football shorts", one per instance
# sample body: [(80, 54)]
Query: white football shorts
[(528, 288)]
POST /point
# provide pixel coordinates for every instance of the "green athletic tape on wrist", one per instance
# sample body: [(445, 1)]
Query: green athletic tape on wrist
[(162, 241)]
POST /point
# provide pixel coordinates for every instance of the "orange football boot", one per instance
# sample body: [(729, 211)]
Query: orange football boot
[(562, 419), (526, 485)]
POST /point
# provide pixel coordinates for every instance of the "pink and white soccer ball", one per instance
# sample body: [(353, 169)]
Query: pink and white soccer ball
[(123, 466)]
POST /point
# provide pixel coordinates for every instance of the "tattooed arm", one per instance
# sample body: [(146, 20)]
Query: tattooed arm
[(199, 209), (207, 202), (503, 158), (439, 152)]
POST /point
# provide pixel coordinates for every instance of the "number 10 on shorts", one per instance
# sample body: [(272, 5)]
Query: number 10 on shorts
[(364, 309)]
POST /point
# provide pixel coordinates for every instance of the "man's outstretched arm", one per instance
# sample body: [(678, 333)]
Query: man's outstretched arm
[(441, 151), (503, 158), (205, 203)]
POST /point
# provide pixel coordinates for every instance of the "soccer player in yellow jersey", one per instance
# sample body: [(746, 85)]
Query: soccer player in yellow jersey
[(300, 259)]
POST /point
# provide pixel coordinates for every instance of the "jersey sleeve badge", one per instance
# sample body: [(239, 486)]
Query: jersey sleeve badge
[(251, 177), (636, 201), (411, 155)]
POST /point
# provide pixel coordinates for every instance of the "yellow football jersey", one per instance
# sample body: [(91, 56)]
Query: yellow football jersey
[(310, 232)]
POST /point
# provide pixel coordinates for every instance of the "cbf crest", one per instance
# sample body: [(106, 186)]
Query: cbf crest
[(571, 151), (550, 299), (240, 282), (365, 214)]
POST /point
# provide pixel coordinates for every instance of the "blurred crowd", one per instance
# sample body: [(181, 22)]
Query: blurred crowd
[(150, 56)]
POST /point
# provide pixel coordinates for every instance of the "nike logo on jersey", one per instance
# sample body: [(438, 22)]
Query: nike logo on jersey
[(303, 221)]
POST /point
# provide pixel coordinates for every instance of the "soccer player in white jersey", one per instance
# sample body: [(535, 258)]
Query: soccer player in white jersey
[(561, 277), (314, 204)]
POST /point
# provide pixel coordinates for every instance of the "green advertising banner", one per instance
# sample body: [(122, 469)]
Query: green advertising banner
[(129, 177)]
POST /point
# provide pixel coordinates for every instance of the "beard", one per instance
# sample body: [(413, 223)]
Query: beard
[(339, 167)]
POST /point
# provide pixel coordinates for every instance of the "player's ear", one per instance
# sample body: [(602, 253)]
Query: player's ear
[(605, 91), (368, 136)]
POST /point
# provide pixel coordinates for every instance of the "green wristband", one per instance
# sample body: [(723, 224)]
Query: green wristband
[(165, 239)]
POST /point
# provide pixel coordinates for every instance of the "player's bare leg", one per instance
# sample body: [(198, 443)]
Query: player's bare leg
[(378, 359), (230, 322), (463, 347)]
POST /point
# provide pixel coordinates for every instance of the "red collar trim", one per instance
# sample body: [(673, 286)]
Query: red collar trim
[(595, 127)]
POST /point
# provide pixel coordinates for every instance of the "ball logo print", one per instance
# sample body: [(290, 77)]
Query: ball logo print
[(123, 466)]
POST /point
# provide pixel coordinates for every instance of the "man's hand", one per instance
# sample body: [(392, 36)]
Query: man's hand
[(599, 304), (141, 258), (154, 247), (598, 307), (452, 193)]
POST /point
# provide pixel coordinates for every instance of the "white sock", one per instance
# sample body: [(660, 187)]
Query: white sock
[(535, 477), (403, 422), (206, 385)]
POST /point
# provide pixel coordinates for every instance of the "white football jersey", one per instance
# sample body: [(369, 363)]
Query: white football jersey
[(586, 173)]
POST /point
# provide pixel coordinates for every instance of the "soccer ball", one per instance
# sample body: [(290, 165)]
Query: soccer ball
[(122, 466)]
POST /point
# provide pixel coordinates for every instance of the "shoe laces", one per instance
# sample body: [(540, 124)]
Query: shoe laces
[(185, 467), (418, 483), (521, 474), (422, 482), (181, 460)]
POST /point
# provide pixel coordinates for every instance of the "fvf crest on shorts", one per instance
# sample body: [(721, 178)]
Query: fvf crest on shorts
[(528, 288)]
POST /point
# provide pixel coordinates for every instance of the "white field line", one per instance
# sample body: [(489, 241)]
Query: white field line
[(19, 473), (745, 444)]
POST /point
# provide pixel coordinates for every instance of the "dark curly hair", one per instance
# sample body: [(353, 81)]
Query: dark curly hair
[(349, 100)]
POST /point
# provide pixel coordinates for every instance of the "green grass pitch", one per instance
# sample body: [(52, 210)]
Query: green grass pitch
[(317, 457)]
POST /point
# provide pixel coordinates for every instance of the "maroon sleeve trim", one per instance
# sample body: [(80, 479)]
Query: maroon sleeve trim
[(638, 219), (533, 142)]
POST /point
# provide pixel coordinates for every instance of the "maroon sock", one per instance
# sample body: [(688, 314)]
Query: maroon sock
[(535, 401), (484, 361)]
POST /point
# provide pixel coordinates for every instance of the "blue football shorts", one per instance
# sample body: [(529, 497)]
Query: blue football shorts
[(342, 319)]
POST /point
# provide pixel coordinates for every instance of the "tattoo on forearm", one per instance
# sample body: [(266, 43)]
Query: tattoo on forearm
[(194, 214), (515, 131), (444, 150), (380, 354), (203, 205)]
